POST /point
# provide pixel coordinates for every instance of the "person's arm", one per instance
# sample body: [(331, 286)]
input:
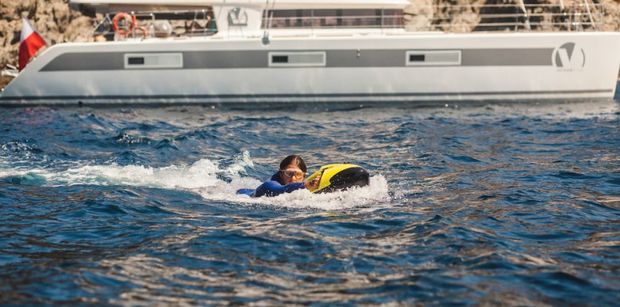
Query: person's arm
[(273, 188), (312, 184)]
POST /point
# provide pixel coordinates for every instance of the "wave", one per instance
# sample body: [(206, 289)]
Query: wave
[(204, 177), (375, 193)]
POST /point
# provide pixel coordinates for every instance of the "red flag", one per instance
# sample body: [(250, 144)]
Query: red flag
[(30, 42)]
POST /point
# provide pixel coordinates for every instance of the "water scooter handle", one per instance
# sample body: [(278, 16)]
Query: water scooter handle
[(323, 182)]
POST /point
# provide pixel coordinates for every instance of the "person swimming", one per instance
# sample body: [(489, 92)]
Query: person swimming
[(289, 178)]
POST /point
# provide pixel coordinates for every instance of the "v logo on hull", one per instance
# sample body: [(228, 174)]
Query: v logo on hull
[(569, 57)]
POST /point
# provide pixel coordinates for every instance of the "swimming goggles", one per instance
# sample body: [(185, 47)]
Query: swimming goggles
[(289, 173)]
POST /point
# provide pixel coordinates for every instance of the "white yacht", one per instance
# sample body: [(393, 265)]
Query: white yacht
[(308, 51)]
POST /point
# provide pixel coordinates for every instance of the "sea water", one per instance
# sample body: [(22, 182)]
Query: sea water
[(515, 203)]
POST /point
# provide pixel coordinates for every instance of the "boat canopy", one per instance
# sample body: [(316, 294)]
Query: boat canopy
[(108, 5)]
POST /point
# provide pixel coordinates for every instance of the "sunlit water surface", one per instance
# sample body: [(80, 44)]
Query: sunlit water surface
[(511, 204)]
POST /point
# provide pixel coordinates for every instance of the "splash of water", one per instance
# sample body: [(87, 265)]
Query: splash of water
[(201, 177), (375, 193)]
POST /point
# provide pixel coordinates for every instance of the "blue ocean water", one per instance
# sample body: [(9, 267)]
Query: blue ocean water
[(513, 204)]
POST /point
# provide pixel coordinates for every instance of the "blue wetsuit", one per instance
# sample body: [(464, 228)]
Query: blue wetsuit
[(273, 187)]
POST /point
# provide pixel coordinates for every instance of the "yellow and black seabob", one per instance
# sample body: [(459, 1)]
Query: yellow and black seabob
[(339, 177)]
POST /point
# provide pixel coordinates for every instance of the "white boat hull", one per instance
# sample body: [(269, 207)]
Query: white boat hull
[(489, 66)]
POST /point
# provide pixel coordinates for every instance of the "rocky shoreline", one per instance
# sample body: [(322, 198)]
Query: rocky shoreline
[(57, 23)]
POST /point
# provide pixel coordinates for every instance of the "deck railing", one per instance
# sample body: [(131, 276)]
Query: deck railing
[(160, 24), (330, 22), (577, 15), (489, 15), (479, 15)]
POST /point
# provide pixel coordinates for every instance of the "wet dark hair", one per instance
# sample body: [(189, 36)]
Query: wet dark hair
[(296, 160)]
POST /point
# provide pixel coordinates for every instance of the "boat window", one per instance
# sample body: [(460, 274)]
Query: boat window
[(279, 59), (361, 18), (329, 18), (332, 18), (416, 58), (433, 57), (135, 60), (297, 58), (153, 60)]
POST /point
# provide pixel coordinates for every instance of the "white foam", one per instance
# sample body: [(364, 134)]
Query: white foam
[(201, 177), (241, 163), (201, 173), (375, 193)]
